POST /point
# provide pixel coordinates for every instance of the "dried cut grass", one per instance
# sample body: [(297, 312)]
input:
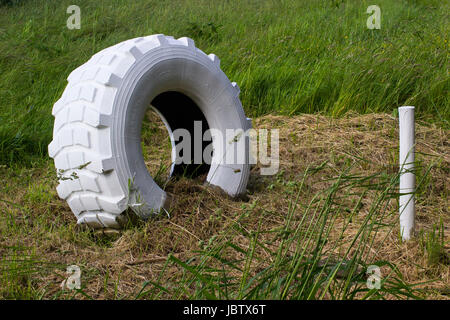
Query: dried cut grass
[(118, 266)]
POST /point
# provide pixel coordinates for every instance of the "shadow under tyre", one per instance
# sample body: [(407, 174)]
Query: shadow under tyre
[(96, 142)]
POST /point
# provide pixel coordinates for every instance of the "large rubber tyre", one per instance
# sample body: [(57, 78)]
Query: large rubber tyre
[(96, 136)]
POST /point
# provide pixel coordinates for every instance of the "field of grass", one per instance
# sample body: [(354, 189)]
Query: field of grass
[(288, 56), (310, 68)]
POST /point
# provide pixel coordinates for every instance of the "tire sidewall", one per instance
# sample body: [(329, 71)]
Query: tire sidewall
[(170, 68)]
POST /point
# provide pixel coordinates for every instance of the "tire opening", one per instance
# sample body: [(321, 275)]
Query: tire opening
[(168, 112), (156, 147)]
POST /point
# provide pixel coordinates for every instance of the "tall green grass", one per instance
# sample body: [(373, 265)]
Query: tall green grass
[(288, 56)]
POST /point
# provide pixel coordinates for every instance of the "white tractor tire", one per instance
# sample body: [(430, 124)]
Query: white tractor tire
[(96, 137)]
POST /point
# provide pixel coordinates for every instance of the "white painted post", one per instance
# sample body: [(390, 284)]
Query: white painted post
[(407, 174)]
